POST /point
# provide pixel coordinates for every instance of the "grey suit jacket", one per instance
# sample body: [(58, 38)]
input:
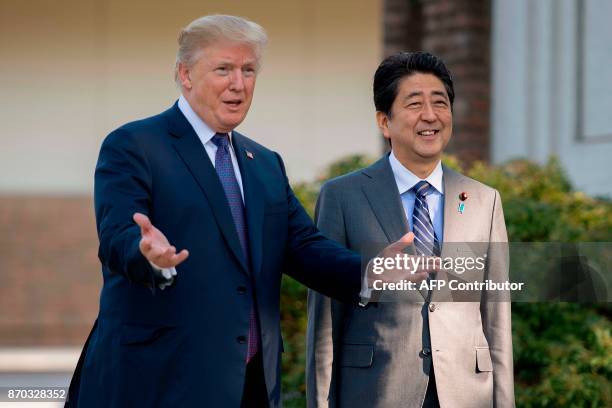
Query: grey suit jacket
[(373, 357)]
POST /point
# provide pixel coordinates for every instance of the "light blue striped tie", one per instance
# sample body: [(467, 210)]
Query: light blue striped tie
[(425, 240)]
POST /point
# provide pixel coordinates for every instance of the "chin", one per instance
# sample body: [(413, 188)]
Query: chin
[(430, 151), (430, 155), (232, 123)]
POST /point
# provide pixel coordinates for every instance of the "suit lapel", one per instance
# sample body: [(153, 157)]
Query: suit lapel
[(452, 189), (190, 149), (381, 192), (453, 227), (254, 204)]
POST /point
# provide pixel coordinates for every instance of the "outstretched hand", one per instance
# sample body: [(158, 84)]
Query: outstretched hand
[(396, 274), (155, 246)]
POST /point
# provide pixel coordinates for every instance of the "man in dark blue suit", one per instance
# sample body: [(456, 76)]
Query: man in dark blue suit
[(199, 328)]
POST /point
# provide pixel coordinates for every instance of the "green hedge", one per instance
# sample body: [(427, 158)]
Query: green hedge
[(562, 351)]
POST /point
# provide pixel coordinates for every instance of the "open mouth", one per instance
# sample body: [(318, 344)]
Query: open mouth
[(233, 103), (428, 132)]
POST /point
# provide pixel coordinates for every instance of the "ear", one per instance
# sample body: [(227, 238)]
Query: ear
[(382, 121), (184, 76)]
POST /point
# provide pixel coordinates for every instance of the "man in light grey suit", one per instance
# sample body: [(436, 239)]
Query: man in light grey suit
[(385, 355)]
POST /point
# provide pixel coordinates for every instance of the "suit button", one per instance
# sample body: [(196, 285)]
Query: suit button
[(432, 307), (242, 290), (426, 352), (241, 339)]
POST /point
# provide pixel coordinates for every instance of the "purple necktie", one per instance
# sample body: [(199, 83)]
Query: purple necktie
[(225, 171)]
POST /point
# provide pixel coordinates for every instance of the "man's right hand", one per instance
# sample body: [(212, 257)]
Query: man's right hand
[(399, 274), (155, 246)]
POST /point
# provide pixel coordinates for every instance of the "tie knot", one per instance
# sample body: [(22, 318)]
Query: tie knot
[(422, 188), (221, 140)]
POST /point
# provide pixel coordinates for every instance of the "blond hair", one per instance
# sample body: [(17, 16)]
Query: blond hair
[(211, 29)]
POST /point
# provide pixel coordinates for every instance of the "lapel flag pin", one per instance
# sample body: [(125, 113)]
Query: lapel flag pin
[(249, 154), (463, 196)]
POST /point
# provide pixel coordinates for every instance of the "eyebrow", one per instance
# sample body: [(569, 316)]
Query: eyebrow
[(229, 62), (419, 93)]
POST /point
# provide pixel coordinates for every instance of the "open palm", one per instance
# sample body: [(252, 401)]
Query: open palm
[(155, 246)]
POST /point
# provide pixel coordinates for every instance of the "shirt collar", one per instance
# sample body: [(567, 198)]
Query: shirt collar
[(204, 132), (405, 179)]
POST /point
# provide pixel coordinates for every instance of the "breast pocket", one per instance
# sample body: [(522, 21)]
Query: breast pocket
[(483, 360)]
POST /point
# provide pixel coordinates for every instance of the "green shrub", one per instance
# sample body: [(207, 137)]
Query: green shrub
[(562, 351), (293, 294)]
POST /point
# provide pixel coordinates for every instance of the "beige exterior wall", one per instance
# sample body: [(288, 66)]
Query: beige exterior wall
[(73, 70)]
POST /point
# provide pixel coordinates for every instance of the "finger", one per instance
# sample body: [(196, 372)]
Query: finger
[(430, 264), (143, 222), (416, 276), (400, 244), (419, 276), (408, 238), (172, 261), (165, 257), (180, 257), (417, 271), (168, 252)]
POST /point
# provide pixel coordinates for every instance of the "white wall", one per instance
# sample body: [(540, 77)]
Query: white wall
[(72, 71), (552, 87)]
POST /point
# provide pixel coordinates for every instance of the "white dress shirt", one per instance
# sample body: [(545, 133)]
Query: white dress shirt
[(406, 180), (205, 134)]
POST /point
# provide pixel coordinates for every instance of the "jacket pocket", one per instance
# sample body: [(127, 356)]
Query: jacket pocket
[(133, 334), (357, 355), (483, 359)]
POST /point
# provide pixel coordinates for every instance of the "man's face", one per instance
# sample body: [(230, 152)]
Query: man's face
[(220, 85), (421, 122)]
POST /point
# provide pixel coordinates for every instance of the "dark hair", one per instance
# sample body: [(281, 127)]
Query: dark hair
[(403, 64)]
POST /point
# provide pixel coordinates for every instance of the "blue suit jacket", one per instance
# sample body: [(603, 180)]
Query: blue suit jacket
[(184, 346)]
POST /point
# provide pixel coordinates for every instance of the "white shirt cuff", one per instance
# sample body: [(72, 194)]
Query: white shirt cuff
[(366, 292), (167, 273)]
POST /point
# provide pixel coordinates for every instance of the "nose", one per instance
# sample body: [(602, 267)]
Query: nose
[(428, 114), (236, 80)]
